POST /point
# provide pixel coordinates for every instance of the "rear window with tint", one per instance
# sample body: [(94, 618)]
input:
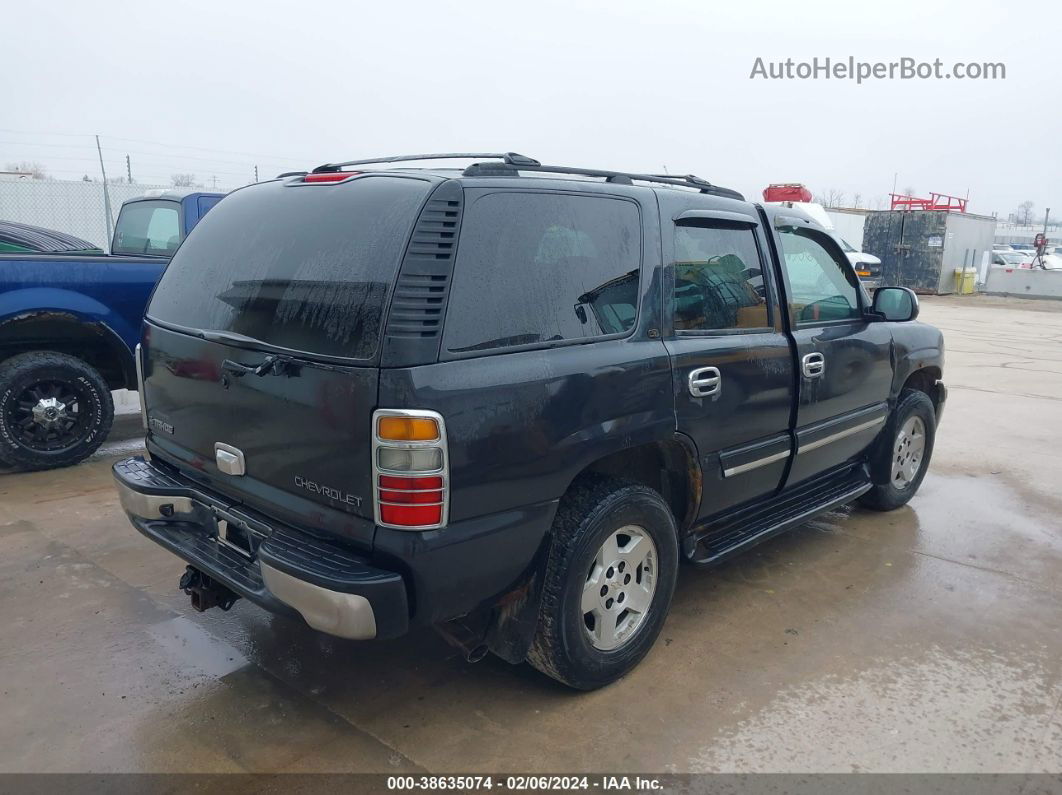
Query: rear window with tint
[(535, 268), (148, 227), (306, 267)]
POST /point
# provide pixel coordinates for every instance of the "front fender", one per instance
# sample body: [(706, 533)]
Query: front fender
[(916, 346)]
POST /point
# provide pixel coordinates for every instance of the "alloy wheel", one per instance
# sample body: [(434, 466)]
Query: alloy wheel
[(48, 416), (619, 587), (908, 452)]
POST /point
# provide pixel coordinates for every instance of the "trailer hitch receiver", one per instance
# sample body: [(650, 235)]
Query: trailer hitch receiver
[(205, 592)]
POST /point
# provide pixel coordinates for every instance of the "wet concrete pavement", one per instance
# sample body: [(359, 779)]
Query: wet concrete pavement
[(928, 639)]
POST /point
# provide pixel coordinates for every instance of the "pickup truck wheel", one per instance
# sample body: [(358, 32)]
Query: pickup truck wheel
[(55, 410), (608, 582), (901, 456)]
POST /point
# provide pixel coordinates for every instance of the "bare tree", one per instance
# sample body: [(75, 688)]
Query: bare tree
[(831, 198), (1025, 212), (31, 167), (857, 200), (909, 191), (183, 180)]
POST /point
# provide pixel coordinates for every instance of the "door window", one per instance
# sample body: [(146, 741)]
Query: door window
[(718, 279), (821, 286), (536, 268)]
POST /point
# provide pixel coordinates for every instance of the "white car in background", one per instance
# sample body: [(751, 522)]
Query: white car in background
[(867, 266), (1009, 259)]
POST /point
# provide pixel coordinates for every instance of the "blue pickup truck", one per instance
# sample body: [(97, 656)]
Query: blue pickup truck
[(69, 326)]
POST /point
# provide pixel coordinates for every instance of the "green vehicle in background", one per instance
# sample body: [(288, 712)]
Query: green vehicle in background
[(25, 239)]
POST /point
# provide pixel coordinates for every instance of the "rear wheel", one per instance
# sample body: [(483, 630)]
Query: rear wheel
[(55, 410), (608, 582), (902, 454)]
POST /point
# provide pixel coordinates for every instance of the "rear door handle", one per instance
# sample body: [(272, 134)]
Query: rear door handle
[(705, 382), (813, 365)]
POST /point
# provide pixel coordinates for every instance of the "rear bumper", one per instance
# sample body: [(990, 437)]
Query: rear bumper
[(291, 572)]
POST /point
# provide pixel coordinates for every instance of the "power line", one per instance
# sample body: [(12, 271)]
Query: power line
[(156, 143), (163, 155)]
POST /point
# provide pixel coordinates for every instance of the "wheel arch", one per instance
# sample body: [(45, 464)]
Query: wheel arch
[(91, 341), (669, 466), (925, 379)]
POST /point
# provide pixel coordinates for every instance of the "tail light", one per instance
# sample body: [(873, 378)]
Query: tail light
[(410, 469)]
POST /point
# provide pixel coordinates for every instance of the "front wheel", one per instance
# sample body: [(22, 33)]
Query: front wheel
[(55, 410), (608, 582), (901, 456)]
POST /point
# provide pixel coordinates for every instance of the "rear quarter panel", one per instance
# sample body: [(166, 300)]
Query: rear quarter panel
[(521, 426)]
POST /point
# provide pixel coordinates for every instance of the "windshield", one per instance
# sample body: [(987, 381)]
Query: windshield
[(1012, 259), (302, 267), (148, 227)]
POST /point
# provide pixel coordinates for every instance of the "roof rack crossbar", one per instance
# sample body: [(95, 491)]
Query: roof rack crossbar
[(510, 158)]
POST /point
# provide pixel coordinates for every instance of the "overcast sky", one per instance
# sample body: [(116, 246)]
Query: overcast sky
[(627, 85)]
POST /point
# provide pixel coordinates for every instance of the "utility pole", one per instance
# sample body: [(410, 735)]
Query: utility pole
[(256, 173), (1047, 214), (106, 192), (895, 176), (215, 178), (128, 170)]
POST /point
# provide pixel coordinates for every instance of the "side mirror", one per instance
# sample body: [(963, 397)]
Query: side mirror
[(895, 303)]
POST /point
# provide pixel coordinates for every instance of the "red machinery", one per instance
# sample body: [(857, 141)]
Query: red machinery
[(786, 192), (940, 202)]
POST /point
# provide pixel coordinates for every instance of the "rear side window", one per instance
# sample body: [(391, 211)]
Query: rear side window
[(148, 228), (718, 279), (543, 267), (300, 267)]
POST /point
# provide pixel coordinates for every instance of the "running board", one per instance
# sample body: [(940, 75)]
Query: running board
[(718, 540)]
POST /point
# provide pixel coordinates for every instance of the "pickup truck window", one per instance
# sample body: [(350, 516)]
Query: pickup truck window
[(821, 287), (152, 228), (566, 269), (718, 279)]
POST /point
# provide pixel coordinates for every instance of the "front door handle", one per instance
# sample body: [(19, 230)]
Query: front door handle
[(813, 365), (705, 381)]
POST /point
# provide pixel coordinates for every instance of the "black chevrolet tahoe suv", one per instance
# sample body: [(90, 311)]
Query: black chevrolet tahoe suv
[(507, 400)]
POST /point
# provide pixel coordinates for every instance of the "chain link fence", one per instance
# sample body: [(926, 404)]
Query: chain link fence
[(75, 207)]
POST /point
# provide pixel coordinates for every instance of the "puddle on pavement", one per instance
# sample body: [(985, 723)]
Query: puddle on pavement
[(187, 642), (959, 710)]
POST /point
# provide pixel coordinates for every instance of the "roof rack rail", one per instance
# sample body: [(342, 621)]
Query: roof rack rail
[(628, 177), (511, 163), (509, 158)]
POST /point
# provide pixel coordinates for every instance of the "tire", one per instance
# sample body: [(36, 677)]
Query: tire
[(573, 647), (895, 451), (35, 433)]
